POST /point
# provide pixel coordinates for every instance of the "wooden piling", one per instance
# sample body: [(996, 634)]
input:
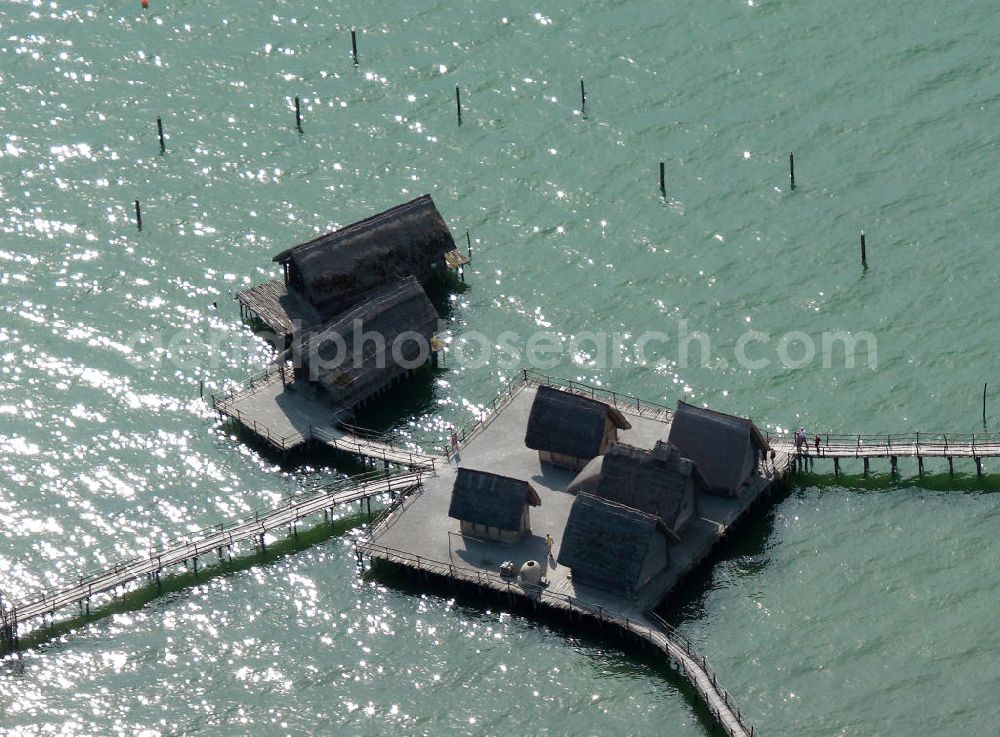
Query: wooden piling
[(663, 179), (468, 241), (864, 252), (866, 465), (791, 169), (138, 215), (298, 114), (984, 403), (920, 465), (836, 467), (893, 461), (458, 104), (951, 466), (583, 99), (159, 130), (979, 466), (354, 46)]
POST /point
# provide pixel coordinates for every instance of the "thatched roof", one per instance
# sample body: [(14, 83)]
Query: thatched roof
[(567, 423), (717, 442), (345, 358), (336, 269), (653, 482), (605, 543), (489, 499)]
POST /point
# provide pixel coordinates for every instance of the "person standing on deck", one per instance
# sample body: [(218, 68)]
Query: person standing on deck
[(549, 542), (816, 441), (800, 440)]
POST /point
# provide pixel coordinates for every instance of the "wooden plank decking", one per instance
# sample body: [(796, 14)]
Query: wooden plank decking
[(283, 312)]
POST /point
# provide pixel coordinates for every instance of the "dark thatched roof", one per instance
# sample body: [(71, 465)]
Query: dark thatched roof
[(653, 482), (337, 269), (567, 423), (718, 443), (489, 499), (605, 544), (351, 356)]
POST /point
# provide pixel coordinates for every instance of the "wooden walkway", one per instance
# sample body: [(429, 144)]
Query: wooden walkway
[(283, 312), (975, 446), (212, 539)]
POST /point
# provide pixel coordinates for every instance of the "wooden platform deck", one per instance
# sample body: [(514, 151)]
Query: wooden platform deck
[(15, 614), (283, 312), (287, 414), (419, 536)]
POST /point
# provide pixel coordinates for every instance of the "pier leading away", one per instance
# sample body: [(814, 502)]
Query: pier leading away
[(974, 446), (14, 614)]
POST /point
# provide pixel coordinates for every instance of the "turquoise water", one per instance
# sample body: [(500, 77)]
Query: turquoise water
[(856, 609)]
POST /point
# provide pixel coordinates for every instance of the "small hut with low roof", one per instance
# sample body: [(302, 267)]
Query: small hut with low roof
[(726, 449), (611, 546), (492, 506), (368, 348), (568, 430), (658, 482)]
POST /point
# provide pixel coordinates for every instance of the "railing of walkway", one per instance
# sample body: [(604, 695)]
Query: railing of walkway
[(373, 449), (211, 538), (933, 443), (565, 601)]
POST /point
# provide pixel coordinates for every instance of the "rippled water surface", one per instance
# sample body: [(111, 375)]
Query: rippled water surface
[(849, 607)]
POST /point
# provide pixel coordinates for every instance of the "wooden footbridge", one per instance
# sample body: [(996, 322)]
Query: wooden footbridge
[(213, 539), (974, 446)]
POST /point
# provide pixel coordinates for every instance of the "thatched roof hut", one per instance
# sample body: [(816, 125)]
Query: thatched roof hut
[(337, 270), (492, 506), (727, 449), (611, 546), (568, 430), (658, 482), (365, 350)]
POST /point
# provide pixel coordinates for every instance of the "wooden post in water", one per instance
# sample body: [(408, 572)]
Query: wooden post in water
[(864, 253), (583, 99), (159, 130), (354, 46), (663, 179), (468, 240), (298, 114), (984, 403), (791, 169), (458, 104), (138, 215)]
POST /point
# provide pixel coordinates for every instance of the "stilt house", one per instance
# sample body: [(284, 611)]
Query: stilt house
[(338, 270), (491, 506), (568, 430), (658, 482), (611, 546), (726, 449), (367, 349)]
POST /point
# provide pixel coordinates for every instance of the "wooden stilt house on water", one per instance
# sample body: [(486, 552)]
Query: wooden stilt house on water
[(611, 546), (491, 506), (337, 270), (726, 449), (568, 430), (367, 349), (658, 482)]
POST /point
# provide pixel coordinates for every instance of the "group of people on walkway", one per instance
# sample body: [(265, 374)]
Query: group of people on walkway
[(802, 442)]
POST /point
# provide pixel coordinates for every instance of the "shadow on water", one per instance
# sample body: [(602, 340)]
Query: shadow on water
[(585, 637), (747, 544), (172, 584), (407, 399)]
